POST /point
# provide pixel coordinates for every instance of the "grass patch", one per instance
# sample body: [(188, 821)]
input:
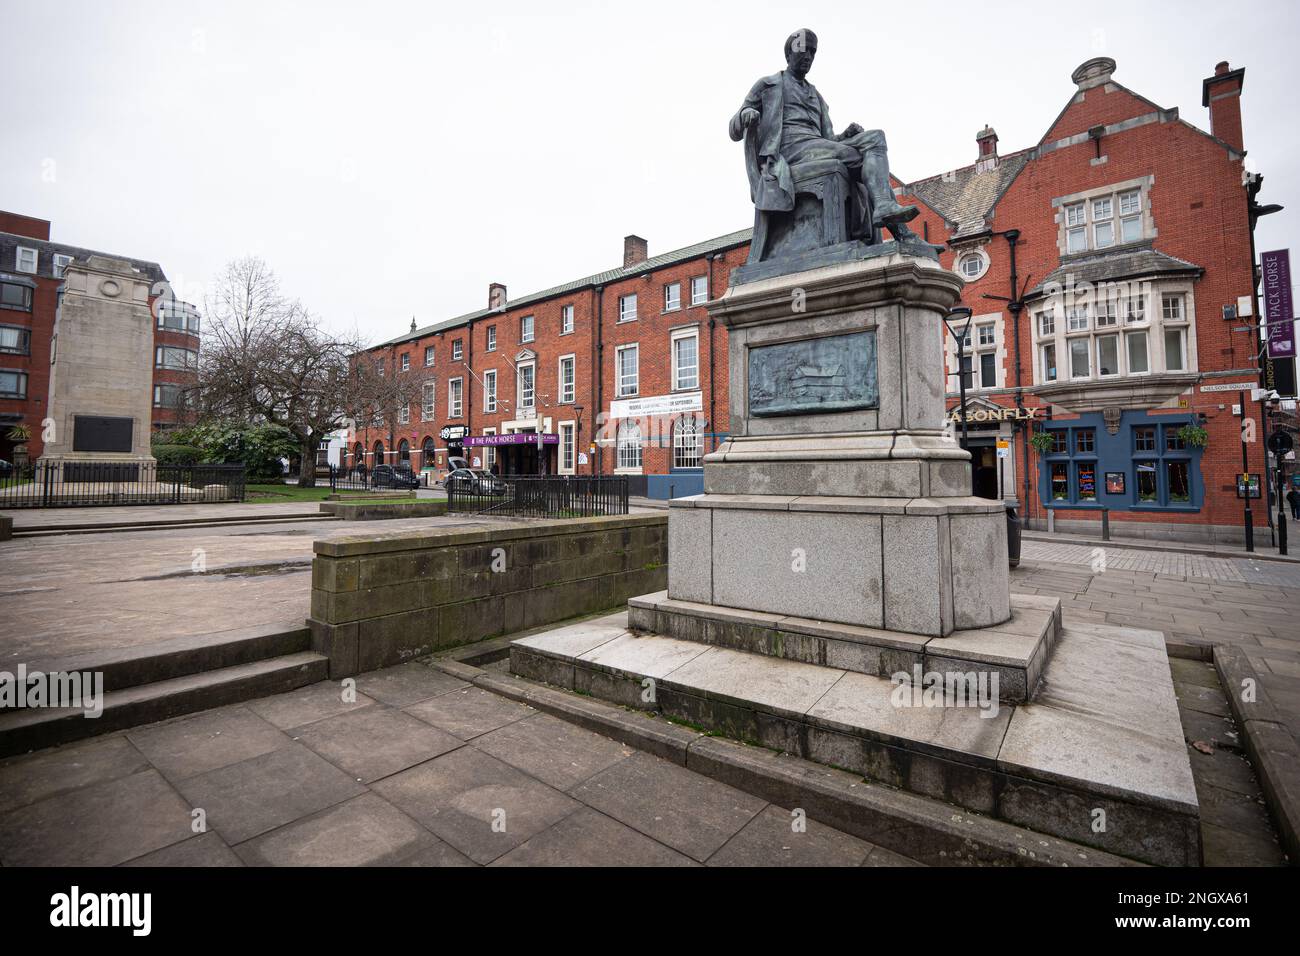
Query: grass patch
[(288, 493)]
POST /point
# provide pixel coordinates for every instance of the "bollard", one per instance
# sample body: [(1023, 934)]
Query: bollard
[(1105, 524)]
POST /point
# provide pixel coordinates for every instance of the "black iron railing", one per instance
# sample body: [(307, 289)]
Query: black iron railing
[(547, 496), (382, 478), (70, 483)]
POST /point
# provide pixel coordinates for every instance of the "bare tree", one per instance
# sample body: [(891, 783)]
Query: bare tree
[(266, 359)]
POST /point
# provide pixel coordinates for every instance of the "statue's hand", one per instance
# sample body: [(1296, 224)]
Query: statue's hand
[(853, 129), (748, 117)]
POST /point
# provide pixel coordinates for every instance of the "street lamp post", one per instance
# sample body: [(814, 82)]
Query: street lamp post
[(953, 315), (577, 436)]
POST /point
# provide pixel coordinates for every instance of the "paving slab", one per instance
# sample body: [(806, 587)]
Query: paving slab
[(308, 704), (782, 687), (31, 777), (1107, 722), (470, 712), (376, 742), (862, 705), (481, 806), (670, 804), (575, 640), (363, 831), (589, 838), (552, 750), (256, 795), (215, 738), (206, 849), (772, 839), (407, 684), (634, 654), (102, 824)]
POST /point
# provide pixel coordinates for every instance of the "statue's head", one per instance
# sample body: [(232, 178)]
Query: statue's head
[(800, 48)]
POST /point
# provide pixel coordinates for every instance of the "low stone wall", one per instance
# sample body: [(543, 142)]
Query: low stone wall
[(378, 601), (383, 510)]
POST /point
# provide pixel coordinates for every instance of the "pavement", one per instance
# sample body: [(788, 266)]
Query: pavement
[(1254, 605), (302, 764), (417, 769), (117, 588)]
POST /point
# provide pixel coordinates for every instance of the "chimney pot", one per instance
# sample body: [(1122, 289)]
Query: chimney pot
[(1221, 68), (635, 250)]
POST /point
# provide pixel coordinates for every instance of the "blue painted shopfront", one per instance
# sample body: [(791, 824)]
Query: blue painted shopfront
[(1144, 466)]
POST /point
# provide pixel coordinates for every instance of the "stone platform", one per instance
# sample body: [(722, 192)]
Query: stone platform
[(1016, 649), (1097, 757)]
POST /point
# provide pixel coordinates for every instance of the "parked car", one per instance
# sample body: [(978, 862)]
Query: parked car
[(475, 482), (388, 476)]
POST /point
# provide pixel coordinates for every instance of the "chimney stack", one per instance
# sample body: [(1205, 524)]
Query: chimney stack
[(987, 140), (496, 296), (1222, 94), (635, 250)]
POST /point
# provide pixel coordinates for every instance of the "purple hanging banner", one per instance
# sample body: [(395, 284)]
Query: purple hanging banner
[(1279, 313)]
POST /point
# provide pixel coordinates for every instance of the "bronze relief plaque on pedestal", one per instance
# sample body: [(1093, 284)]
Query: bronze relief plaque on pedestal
[(836, 373)]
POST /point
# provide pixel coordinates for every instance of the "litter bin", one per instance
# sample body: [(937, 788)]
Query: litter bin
[(1013, 534)]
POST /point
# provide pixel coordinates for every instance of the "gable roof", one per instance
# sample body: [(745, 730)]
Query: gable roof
[(966, 197)]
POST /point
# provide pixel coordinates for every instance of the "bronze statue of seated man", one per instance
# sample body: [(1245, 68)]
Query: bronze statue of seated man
[(791, 125)]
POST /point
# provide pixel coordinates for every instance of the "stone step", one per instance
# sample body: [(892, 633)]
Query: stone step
[(31, 729), (46, 531), (193, 654), (929, 831), (1016, 649), (1097, 758)]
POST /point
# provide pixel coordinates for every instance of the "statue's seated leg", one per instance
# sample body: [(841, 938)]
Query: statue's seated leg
[(886, 210)]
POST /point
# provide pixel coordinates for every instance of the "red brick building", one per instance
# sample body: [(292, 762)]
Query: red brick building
[(1121, 324), (31, 270)]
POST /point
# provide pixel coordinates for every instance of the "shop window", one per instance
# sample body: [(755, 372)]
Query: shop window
[(1072, 476), (1060, 481), (1146, 482), (1179, 482), (1086, 481), (1164, 470)]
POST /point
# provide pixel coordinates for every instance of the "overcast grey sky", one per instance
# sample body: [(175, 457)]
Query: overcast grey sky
[(391, 159)]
